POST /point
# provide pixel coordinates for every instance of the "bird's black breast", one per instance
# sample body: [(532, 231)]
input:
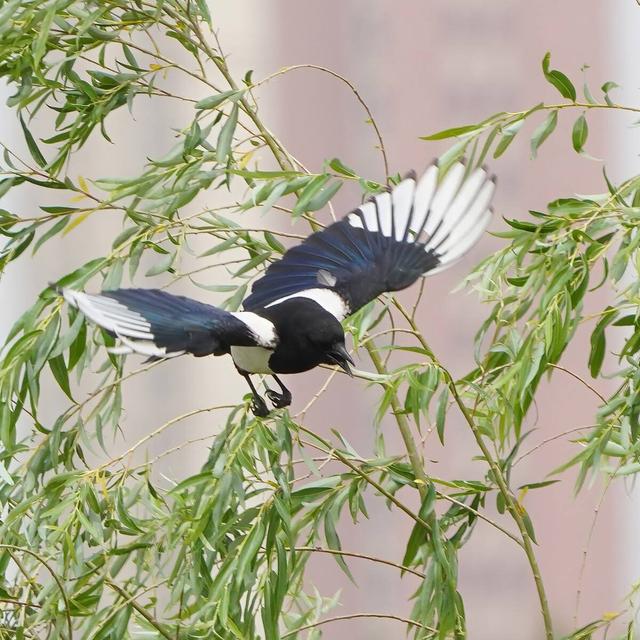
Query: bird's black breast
[(301, 325)]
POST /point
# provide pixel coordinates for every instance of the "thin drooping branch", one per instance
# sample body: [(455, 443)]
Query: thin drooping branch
[(140, 609), (353, 616), (354, 90), (417, 464), (514, 508), (54, 575), (362, 556)]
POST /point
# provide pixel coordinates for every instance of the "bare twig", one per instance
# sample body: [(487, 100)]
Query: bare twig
[(579, 379), (585, 551), (353, 616), (351, 554), (19, 603), (140, 609), (351, 86)]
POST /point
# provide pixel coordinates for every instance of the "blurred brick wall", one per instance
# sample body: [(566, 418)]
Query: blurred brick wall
[(421, 67)]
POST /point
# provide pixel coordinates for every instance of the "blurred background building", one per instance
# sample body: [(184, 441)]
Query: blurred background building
[(421, 67)]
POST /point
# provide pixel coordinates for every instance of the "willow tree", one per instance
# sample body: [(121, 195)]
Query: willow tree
[(110, 551)]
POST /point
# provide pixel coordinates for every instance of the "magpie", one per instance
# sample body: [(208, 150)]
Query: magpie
[(291, 321)]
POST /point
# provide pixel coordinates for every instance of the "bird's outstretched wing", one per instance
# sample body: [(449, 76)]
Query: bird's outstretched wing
[(162, 325), (419, 227)]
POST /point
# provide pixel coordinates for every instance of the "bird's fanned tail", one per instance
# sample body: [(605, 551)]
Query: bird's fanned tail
[(161, 325)]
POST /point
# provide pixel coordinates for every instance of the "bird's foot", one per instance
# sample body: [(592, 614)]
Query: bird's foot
[(279, 400), (259, 407)]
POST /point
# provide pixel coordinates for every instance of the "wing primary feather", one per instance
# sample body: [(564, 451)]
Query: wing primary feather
[(417, 228), (468, 194), (449, 258), (402, 198), (422, 199)]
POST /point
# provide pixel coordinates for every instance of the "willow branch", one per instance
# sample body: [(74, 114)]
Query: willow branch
[(54, 575), (353, 616), (513, 507), (362, 556)]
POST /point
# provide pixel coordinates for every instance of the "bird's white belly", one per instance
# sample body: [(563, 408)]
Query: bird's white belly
[(252, 359)]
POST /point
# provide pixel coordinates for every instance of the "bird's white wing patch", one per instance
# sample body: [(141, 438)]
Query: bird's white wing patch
[(460, 246), (368, 211), (468, 203), (402, 197), (443, 198), (355, 220), (329, 300), (262, 329), (385, 213), (422, 198)]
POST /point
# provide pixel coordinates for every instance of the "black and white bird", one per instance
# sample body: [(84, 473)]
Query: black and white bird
[(291, 321)]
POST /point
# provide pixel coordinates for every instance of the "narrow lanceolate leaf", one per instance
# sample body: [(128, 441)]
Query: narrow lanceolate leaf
[(226, 136), (162, 265), (59, 370), (333, 541), (337, 165), (419, 534), (453, 132), (558, 79), (580, 133), (508, 134), (312, 189), (323, 196), (39, 46), (543, 131), (598, 341), (441, 413), (204, 11), (31, 144), (211, 102)]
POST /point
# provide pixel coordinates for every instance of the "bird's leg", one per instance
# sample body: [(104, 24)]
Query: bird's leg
[(258, 405), (279, 400)]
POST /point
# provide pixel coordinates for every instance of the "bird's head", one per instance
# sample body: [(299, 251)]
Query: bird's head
[(338, 354), (328, 339)]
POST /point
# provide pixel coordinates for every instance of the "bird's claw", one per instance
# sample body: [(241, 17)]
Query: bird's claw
[(259, 407), (279, 400)]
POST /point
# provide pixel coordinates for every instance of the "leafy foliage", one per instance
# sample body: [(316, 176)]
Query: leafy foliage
[(105, 551)]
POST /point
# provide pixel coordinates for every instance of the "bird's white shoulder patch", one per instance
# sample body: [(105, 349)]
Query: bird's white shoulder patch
[(329, 300), (262, 329)]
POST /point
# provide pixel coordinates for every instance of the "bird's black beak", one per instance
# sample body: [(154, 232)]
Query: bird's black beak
[(340, 356)]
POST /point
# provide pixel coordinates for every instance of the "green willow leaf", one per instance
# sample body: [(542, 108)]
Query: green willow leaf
[(508, 134), (59, 370), (580, 133), (162, 265), (441, 412), (321, 198), (598, 341), (36, 154), (543, 131), (337, 165), (453, 132), (558, 79), (225, 138), (216, 100)]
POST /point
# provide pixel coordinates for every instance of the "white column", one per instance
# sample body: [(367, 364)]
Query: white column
[(624, 54)]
